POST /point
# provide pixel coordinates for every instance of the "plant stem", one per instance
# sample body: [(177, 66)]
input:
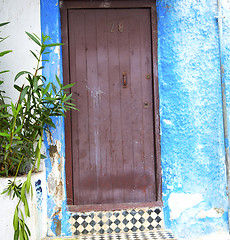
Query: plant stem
[(18, 169)]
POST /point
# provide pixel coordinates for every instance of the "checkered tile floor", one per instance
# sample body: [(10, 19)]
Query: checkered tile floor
[(149, 235), (131, 220)]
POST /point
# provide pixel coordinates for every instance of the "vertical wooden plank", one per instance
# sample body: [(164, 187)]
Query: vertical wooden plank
[(94, 107), (115, 107), (147, 113), (136, 87), (105, 185), (126, 166), (79, 119)]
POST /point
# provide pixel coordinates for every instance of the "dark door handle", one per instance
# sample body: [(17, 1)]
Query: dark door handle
[(124, 74)]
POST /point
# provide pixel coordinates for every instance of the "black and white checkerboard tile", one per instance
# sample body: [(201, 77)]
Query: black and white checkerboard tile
[(149, 235), (123, 221)]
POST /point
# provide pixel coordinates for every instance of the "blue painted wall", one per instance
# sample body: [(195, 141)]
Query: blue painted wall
[(58, 217), (193, 163), (193, 160)]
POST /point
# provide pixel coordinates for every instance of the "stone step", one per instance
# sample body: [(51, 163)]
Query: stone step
[(143, 235)]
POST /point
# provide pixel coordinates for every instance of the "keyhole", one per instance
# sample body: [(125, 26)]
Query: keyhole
[(146, 104)]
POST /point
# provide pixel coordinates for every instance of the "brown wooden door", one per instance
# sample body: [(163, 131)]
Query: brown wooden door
[(112, 134)]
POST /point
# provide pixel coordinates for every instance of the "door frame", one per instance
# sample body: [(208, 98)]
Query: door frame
[(107, 4)]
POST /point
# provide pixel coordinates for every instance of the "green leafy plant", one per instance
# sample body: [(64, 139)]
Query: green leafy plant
[(21, 129)]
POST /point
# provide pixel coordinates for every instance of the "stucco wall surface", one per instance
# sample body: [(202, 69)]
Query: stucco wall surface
[(37, 205), (58, 217), (23, 15), (192, 141)]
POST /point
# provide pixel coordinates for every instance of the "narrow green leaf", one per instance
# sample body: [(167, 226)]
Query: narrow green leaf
[(40, 143), (34, 54), (20, 74), (5, 71), (31, 191), (40, 68), (54, 88), (69, 103), (17, 143), (3, 39), (27, 211), (2, 24), (18, 108), (18, 129), (17, 88), (4, 53), (8, 146), (13, 109), (68, 97), (22, 215), (28, 181), (28, 230), (23, 93), (53, 44), (33, 38), (16, 235), (68, 86), (21, 237), (36, 36), (25, 234), (15, 220), (23, 190), (58, 81), (38, 160), (4, 134), (50, 99), (5, 115), (35, 83), (5, 191)]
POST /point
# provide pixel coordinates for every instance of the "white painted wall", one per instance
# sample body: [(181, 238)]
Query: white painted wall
[(37, 223), (23, 15)]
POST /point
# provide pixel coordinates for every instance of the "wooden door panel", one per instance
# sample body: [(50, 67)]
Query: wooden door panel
[(112, 134), (126, 109), (106, 192)]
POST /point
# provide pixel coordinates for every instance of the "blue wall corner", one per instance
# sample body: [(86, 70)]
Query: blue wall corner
[(55, 164)]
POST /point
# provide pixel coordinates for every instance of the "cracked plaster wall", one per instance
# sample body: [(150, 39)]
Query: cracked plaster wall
[(192, 140), (57, 214)]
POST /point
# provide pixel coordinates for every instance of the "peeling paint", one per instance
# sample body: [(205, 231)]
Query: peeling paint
[(192, 149), (179, 202), (211, 213), (57, 51), (55, 180), (167, 122), (38, 188)]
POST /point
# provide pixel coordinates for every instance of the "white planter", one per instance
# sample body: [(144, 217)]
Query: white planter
[(38, 208)]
